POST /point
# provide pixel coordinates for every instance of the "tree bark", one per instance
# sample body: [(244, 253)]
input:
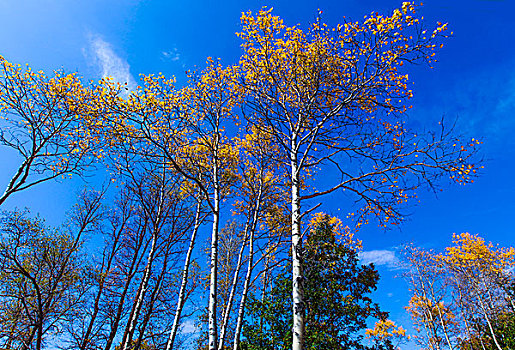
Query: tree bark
[(214, 260), (156, 227), (228, 307), (296, 246), (140, 295), (487, 319), (184, 281), (241, 310)]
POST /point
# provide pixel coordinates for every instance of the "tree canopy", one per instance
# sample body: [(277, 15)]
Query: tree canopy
[(252, 141)]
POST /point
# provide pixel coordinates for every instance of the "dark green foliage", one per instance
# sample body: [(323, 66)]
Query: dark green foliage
[(505, 330), (337, 299)]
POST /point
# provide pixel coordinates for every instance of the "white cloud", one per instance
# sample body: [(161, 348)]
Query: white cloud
[(381, 258), (188, 327), (110, 64), (172, 55)]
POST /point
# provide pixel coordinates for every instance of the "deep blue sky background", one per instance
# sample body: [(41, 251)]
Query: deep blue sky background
[(474, 80)]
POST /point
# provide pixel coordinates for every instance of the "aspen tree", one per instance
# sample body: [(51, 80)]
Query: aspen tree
[(457, 296), (332, 96), (186, 125), (476, 266), (429, 306)]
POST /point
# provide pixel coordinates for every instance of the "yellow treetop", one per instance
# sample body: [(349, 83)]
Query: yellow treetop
[(386, 329), (472, 252)]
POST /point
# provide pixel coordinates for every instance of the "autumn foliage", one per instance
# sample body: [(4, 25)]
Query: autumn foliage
[(461, 297), (246, 141)]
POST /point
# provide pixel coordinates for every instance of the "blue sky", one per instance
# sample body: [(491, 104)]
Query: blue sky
[(474, 81)]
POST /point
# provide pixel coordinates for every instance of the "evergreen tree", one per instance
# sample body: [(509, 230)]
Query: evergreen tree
[(337, 297)]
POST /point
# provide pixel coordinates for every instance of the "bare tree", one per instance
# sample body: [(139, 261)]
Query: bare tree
[(42, 279)]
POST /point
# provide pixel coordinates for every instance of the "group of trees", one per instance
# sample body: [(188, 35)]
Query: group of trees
[(245, 141), (336, 293), (463, 298)]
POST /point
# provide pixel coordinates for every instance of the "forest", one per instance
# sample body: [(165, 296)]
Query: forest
[(207, 229)]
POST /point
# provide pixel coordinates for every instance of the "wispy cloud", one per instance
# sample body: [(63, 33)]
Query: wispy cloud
[(172, 55), (188, 327), (381, 258), (110, 64)]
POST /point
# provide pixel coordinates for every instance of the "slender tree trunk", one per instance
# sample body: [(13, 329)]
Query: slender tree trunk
[(39, 337), (214, 260), (153, 298), (140, 295), (132, 271), (432, 328), (440, 315), (463, 312), (28, 341), (184, 281), (23, 172), (87, 335), (100, 291), (241, 310), (512, 304), (485, 314), (296, 246), (444, 328), (266, 279), (37, 330), (228, 307)]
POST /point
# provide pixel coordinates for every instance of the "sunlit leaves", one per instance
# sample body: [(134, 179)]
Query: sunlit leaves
[(49, 121), (460, 294), (387, 331)]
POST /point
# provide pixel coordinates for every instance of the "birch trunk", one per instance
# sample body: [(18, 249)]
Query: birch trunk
[(462, 311), (153, 298), (430, 324), (111, 254), (487, 319), (512, 304), (444, 328), (214, 260), (440, 315), (228, 307), (131, 273), (99, 294), (140, 295), (184, 281), (296, 247), (241, 309)]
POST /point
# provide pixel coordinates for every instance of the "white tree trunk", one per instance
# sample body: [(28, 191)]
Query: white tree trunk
[(214, 261), (184, 281), (140, 295), (131, 326), (241, 309), (228, 307), (487, 319), (432, 328), (296, 245)]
